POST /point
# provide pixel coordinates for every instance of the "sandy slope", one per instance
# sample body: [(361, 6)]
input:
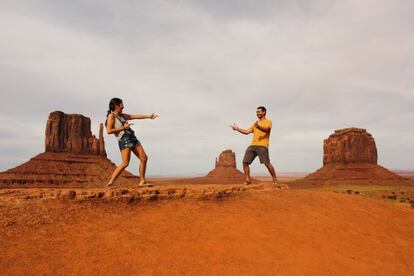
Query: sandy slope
[(256, 232)]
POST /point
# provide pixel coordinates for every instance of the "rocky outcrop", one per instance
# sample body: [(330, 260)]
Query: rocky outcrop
[(350, 157), (225, 167), (73, 157), (128, 194), (226, 159), (72, 133), (350, 145)]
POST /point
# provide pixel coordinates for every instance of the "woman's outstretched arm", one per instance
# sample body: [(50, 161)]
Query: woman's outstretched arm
[(139, 116)]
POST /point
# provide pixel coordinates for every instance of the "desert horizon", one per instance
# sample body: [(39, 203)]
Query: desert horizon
[(406, 173)]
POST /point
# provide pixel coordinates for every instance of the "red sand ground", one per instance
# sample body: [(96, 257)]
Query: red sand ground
[(258, 231)]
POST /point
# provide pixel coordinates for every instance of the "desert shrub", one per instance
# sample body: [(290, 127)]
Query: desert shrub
[(393, 197), (349, 191)]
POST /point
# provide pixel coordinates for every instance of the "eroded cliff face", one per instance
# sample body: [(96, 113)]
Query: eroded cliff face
[(72, 133), (350, 145), (226, 159)]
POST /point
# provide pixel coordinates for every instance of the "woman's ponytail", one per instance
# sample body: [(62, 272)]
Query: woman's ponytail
[(112, 103)]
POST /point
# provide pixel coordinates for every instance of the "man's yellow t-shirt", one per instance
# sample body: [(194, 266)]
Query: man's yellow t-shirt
[(261, 138)]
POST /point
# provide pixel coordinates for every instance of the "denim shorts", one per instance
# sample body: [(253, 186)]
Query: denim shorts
[(128, 141)]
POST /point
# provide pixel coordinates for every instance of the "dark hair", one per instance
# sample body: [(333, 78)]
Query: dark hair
[(262, 108), (112, 103)]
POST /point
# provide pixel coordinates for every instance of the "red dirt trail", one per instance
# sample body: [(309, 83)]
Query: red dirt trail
[(255, 232)]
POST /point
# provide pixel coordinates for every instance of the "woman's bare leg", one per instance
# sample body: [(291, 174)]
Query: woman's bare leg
[(126, 156), (143, 158)]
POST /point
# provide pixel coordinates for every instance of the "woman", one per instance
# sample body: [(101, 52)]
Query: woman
[(117, 123)]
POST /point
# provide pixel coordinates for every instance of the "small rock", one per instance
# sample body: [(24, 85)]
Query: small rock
[(130, 199), (153, 197), (10, 223), (282, 187), (71, 194)]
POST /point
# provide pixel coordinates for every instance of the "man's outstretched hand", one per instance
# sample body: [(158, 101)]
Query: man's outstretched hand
[(234, 126)]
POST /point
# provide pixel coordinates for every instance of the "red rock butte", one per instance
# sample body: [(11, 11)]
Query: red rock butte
[(72, 157), (72, 133), (224, 172), (350, 156), (350, 145), (226, 167)]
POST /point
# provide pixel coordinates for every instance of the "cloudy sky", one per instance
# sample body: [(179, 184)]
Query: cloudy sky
[(202, 65)]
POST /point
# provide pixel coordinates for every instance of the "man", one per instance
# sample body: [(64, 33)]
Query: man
[(259, 145)]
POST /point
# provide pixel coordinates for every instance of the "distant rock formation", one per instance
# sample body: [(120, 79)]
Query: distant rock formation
[(350, 157), (226, 159), (72, 157), (226, 168), (72, 133), (225, 172), (350, 145)]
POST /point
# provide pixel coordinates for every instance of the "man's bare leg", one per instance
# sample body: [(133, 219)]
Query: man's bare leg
[(271, 170), (246, 170)]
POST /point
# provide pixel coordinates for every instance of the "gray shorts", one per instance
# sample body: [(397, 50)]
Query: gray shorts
[(253, 151)]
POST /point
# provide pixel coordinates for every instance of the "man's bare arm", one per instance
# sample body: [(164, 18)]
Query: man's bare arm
[(242, 131), (264, 129), (139, 116)]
